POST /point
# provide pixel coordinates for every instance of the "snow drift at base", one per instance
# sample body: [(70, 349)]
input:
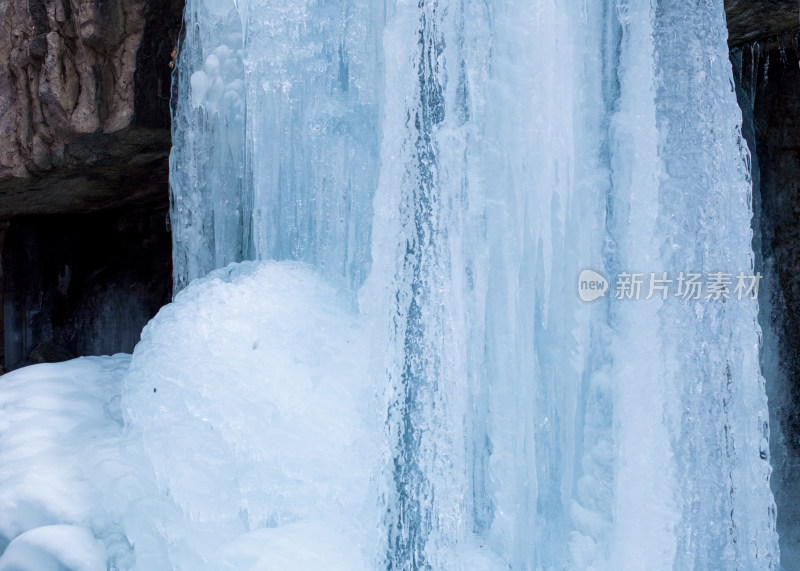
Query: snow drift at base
[(241, 437)]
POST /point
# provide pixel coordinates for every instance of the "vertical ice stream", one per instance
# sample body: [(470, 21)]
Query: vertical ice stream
[(457, 163), (721, 441), (643, 385), (208, 191), (276, 135)]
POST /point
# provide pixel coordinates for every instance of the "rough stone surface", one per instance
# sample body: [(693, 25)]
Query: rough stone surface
[(68, 71), (49, 352), (96, 171), (84, 144), (84, 103), (751, 20)]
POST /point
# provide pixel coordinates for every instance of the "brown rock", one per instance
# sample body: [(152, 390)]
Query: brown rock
[(58, 84), (751, 20), (84, 145), (76, 78)]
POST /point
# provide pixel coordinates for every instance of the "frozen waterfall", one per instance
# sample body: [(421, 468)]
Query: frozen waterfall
[(453, 165), (461, 285)]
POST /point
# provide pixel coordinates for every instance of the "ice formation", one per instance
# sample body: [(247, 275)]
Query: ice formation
[(250, 393), (241, 434), (415, 384)]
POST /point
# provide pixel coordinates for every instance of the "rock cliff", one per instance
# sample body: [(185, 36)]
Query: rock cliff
[(84, 103)]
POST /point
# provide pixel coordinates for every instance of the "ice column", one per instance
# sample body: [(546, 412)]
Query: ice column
[(276, 135)]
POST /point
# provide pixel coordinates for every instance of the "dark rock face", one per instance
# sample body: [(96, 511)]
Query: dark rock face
[(752, 20), (152, 85), (96, 171), (86, 283), (85, 123), (84, 101), (47, 352)]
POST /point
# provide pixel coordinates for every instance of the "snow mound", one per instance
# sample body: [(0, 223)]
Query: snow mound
[(54, 548), (249, 394), (64, 459), (238, 436)]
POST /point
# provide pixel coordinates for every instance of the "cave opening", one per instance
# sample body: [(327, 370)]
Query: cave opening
[(84, 283)]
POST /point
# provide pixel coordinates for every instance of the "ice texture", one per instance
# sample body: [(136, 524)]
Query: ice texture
[(207, 176), (251, 398), (719, 442), (520, 142), (276, 135), (53, 548), (405, 377)]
